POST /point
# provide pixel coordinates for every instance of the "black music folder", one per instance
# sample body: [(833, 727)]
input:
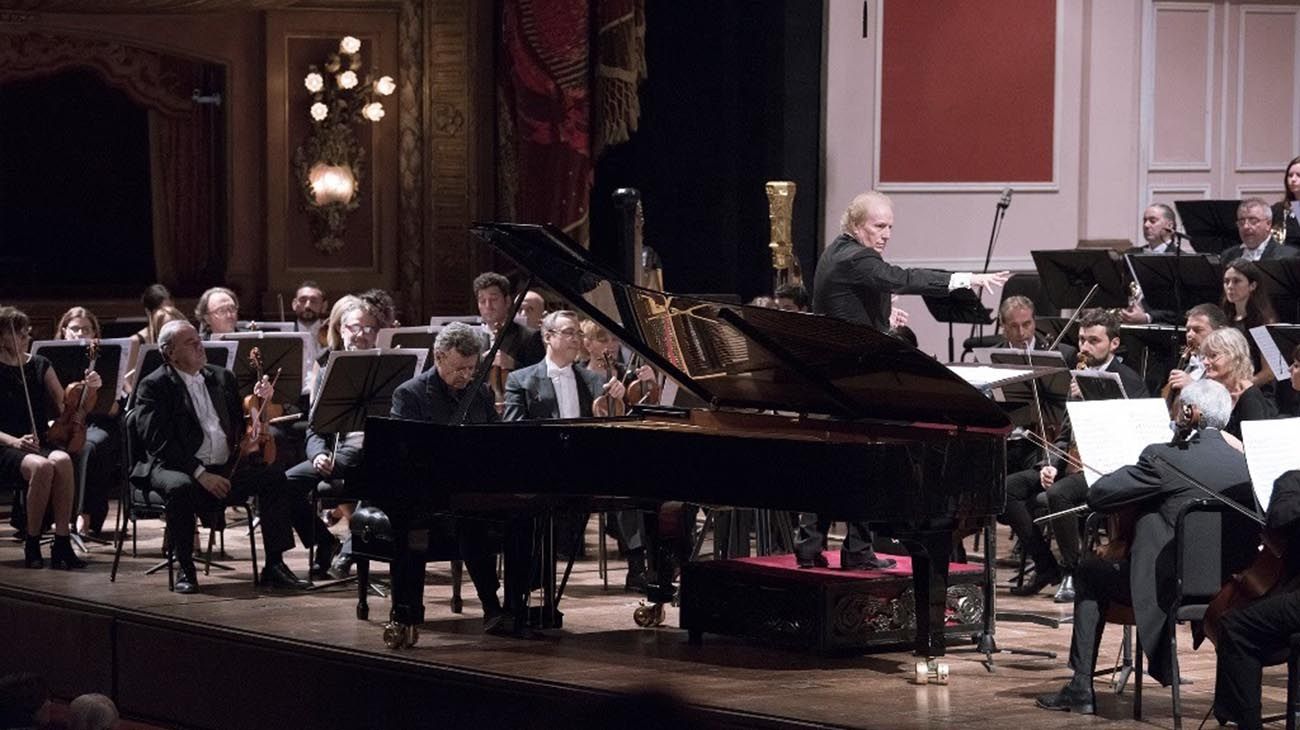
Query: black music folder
[(1094, 385), (360, 384), (1177, 282), (1211, 225), (69, 360), (281, 351), (1283, 282), (1069, 274)]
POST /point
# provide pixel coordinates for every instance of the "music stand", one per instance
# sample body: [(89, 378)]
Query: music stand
[(1069, 275), (1211, 225), (410, 338), (1287, 337), (960, 306), (281, 351), (257, 325), (1099, 385), (219, 353), (360, 384), (1283, 285), (1171, 281), (68, 358), (1160, 339), (1051, 371)]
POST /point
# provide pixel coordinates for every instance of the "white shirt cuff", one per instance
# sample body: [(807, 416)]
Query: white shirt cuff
[(959, 281), (199, 471)]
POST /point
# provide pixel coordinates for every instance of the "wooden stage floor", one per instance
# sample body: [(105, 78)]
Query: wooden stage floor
[(600, 651)]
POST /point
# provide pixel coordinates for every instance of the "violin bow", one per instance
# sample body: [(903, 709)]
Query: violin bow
[(1078, 310), (22, 375)]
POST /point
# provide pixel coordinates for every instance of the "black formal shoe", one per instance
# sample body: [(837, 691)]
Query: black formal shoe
[(32, 553), (278, 575), (875, 562), (816, 561), (186, 583), (341, 567), (497, 623), (1041, 580), (1065, 594), (62, 556), (324, 558), (1069, 699)]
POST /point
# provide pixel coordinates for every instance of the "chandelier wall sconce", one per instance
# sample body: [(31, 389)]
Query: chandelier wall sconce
[(331, 162)]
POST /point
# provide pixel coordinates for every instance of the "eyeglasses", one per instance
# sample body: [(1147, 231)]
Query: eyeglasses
[(1252, 220), (568, 332), (357, 329), (77, 328), (227, 310)]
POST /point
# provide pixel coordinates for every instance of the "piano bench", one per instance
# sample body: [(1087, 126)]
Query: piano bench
[(373, 538), (826, 610)]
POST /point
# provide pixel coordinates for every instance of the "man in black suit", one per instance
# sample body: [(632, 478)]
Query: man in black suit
[(436, 395), (521, 346), (189, 422), (1160, 234), (557, 386), (1143, 580), (1098, 340), (854, 283), (1255, 226)]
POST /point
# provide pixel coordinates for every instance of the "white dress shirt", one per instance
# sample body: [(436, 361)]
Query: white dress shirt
[(566, 389), (1256, 253), (214, 449)]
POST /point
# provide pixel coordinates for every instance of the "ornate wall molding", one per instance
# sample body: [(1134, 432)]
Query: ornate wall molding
[(410, 163)]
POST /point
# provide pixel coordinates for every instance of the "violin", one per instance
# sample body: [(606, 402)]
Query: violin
[(642, 392), (69, 430), (605, 404), (496, 377), (257, 437)]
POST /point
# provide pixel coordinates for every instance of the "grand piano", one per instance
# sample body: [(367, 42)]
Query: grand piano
[(783, 411)]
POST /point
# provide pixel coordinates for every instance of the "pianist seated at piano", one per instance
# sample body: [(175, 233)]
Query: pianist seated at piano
[(1138, 576), (436, 395)]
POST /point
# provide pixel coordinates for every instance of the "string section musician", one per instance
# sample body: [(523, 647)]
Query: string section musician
[(1156, 491), (190, 423)]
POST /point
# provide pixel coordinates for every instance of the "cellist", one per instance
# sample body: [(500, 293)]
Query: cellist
[(27, 387), (1155, 490)]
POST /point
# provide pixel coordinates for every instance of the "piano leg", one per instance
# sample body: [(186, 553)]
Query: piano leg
[(929, 550)]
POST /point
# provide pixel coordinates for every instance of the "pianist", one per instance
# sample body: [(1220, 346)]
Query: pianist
[(436, 395)]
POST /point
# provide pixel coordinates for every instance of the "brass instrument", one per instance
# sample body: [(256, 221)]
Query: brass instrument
[(780, 201), (1278, 234)]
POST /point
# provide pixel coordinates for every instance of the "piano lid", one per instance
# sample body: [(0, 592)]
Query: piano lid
[(738, 356)]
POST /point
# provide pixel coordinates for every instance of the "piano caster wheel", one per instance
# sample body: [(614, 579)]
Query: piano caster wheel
[(647, 616), (400, 636), (931, 671)]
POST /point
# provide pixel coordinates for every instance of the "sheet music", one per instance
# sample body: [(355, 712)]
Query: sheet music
[(1269, 353), (983, 376), (1113, 433), (1270, 452)]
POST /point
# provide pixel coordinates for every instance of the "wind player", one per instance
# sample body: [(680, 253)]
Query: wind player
[(1141, 578), (1159, 230), (435, 396), (854, 283), (1098, 340)]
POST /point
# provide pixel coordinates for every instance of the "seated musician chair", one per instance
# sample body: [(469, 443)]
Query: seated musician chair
[(140, 502)]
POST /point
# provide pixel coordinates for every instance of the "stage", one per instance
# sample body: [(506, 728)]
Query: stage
[(236, 656)]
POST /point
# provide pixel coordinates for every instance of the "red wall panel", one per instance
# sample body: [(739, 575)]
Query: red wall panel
[(967, 91)]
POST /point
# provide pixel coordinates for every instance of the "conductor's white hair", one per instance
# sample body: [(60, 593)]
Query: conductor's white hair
[(1211, 399)]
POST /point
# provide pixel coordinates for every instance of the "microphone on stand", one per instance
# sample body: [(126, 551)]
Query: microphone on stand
[(1005, 201)]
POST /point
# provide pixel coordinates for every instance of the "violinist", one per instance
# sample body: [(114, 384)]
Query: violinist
[(189, 425), (1227, 362), (217, 312), (102, 434), (1201, 321), (1140, 578), (353, 325), (521, 346), (1256, 634), (602, 356), (29, 391)]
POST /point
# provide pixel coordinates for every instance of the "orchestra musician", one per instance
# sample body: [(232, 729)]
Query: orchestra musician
[(532, 309), (1160, 236), (1246, 305), (436, 395), (1201, 321), (602, 356), (154, 297), (29, 390), (1227, 362), (1098, 341), (1286, 212), (1256, 634), (854, 283), (521, 346), (102, 434), (1254, 225), (790, 297), (309, 307), (1019, 332), (217, 312), (1141, 578), (190, 424)]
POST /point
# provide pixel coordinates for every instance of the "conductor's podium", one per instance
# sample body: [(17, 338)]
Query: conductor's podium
[(826, 610)]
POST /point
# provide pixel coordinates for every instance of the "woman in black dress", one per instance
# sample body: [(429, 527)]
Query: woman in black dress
[(1227, 361), (23, 455)]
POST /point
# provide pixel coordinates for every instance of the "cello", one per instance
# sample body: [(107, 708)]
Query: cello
[(69, 430)]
